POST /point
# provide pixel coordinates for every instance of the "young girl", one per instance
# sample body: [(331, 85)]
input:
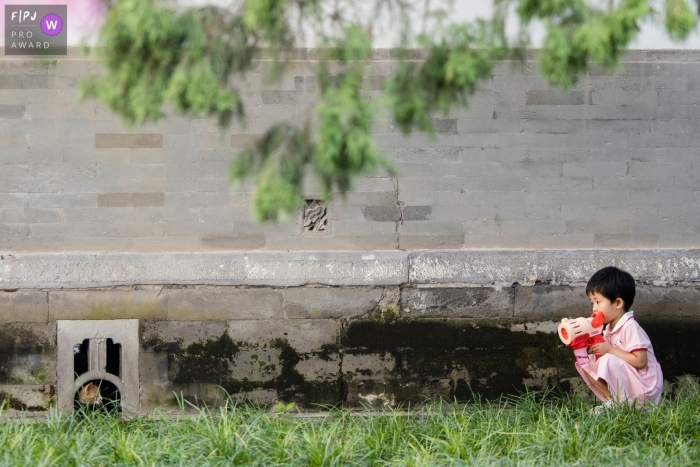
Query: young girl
[(623, 368)]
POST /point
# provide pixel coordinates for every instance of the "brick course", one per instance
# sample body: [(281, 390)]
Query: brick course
[(610, 164)]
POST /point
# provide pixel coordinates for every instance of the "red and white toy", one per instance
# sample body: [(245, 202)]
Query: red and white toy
[(578, 333), (581, 333)]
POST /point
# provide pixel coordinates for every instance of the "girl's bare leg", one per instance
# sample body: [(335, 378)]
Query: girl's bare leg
[(599, 384)]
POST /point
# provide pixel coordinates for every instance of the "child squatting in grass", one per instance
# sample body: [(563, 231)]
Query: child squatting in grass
[(623, 368)]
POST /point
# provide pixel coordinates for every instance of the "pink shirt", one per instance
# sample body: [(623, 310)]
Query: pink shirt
[(625, 381), (629, 336)]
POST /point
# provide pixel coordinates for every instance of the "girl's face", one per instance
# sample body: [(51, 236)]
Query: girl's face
[(612, 311)]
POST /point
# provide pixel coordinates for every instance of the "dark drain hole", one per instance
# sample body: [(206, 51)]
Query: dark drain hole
[(80, 357), (98, 395), (114, 358)]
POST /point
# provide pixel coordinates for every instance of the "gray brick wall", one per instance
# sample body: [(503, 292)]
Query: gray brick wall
[(612, 164)]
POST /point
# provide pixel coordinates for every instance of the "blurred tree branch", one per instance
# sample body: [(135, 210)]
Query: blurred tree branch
[(156, 53)]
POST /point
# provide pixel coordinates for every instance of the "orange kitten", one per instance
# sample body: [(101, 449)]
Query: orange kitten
[(90, 394)]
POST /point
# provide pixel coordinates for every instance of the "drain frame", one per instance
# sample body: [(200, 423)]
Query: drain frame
[(124, 332)]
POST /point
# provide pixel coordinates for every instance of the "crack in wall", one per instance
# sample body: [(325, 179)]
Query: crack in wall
[(399, 222)]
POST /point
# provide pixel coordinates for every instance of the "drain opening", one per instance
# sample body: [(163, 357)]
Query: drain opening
[(80, 357), (114, 358), (98, 395), (98, 361)]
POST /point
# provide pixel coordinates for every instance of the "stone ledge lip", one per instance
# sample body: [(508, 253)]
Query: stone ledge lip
[(88, 270), (341, 268), (528, 267)]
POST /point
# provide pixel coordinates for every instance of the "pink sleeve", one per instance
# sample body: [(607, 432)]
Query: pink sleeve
[(634, 337)]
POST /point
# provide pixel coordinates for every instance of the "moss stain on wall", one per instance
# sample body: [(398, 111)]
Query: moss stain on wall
[(494, 359), (212, 362), (454, 358), (400, 359), (21, 347)]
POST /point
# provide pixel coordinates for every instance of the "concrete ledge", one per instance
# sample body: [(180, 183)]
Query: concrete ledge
[(224, 303), (342, 268), (106, 304), (86, 270), (553, 303), (326, 302), (667, 301), (457, 302), (29, 306), (230, 303), (555, 267)]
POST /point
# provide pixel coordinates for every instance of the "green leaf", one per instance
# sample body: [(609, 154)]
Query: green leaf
[(185, 58), (344, 145), (530, 9), (276, 162), (445, 79), (680, 20), (275, 198), (154, 55), (585, 36)]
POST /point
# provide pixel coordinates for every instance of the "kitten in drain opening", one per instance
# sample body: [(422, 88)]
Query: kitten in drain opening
[(89, 395)]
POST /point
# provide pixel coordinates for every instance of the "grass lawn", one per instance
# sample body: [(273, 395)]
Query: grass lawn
[(534, 429)]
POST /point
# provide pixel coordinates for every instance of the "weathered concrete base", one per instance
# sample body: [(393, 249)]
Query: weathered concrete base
[(250, 359), (27, 353), (325, 345), (385, 344), (25, 397)]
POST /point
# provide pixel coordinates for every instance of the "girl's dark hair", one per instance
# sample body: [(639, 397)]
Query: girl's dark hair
[(613, 283)]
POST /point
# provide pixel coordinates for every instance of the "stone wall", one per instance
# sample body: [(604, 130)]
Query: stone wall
[(466, 260), (344, 328), (611, 164)]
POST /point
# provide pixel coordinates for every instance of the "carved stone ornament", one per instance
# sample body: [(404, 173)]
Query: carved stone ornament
[(315, 217)]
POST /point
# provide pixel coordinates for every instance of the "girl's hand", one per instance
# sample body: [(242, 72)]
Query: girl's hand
[(601, 349)]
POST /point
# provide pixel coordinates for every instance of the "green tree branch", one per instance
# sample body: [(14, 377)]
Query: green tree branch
[(156, 55)]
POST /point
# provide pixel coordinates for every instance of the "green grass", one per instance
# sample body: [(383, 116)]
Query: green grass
[(534, 429)]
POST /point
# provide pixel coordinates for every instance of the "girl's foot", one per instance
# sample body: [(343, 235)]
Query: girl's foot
[(609, 404)]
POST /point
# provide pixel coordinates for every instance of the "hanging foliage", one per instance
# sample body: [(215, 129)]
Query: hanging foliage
[(156, 55)]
